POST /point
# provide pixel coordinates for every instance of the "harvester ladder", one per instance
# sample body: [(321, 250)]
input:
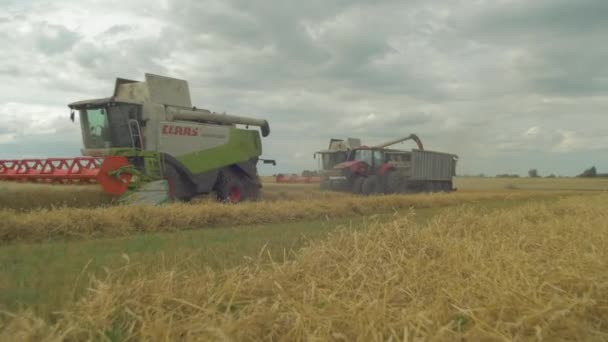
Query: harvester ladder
[(136, 137), (153, 165)]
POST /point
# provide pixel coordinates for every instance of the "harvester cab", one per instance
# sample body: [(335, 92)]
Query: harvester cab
[(336, 153), (147, 143)]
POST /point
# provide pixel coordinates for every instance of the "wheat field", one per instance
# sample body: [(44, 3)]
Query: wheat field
[(500, 259), (125, 220), (27, 196), (533, 272)]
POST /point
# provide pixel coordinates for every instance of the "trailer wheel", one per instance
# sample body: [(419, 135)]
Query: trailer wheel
[(358, 185), (371, 185)]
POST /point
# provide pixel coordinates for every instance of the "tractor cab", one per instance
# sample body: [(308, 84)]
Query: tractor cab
[(373, 157)]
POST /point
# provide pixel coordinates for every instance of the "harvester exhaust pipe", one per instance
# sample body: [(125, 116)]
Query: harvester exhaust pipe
[(209, 116), (396, 141)]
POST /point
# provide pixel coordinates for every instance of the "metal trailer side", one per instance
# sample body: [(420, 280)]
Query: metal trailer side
[(432, 166)]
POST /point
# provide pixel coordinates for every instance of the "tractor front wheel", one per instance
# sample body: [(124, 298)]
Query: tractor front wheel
[(358, 185)]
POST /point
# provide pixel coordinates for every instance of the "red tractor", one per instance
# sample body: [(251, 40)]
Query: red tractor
[(377, 169)]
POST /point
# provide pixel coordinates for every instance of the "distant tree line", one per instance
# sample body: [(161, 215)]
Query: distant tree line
[(507, 175), (308, 173), (592, 172), (588, 173)]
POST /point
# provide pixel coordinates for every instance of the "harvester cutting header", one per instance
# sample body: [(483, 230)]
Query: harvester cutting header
[(147, 143)]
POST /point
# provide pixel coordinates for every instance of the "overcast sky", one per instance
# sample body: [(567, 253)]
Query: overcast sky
[(508, 85)]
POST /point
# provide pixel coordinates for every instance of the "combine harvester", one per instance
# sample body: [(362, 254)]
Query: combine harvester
[(378, 169), (148, 144)]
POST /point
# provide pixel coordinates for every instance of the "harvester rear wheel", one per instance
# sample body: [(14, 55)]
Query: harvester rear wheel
[(234, 188), (252, 189)]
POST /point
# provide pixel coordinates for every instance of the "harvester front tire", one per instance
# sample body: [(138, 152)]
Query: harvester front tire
[(180, 188)]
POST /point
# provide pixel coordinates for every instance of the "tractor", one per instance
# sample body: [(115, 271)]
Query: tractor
[(381, 170)]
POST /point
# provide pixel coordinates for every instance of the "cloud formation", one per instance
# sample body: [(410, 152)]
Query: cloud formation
[(508, 85)]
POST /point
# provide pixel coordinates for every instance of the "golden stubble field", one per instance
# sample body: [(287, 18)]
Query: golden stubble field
[(511, 259)]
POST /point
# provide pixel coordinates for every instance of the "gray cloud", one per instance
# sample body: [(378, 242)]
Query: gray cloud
[(53, 39), (118, 29), (548, 18), (505, 84), (551, 46)]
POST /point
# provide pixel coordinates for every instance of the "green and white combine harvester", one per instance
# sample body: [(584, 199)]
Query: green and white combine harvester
[(152, 146)]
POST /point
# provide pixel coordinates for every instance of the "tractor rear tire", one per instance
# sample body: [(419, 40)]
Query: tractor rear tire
[(358, 185), (371, 186), (234, 188)]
